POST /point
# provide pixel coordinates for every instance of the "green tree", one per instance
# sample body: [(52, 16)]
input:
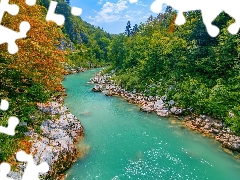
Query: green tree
[(128, 30)]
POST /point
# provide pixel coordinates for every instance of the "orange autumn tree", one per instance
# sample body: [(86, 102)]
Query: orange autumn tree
[(38, 62), (172, 25), (31, 75)]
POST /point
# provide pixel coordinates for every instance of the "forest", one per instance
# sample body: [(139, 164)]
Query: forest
[(197, 71), (156, 58)]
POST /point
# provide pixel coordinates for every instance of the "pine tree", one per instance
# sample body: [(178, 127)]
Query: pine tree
[(67, 1), (135, 29), (128, 30)]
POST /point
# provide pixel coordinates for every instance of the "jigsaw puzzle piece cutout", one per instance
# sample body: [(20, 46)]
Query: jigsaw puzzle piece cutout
[(51, 16), (208, 18), (4, 170), (30, 2), (133, 1), (210, 11), (9, 36), (234, 28), (232, 9), (12, 9), (76, 11), (12, 124), (4, 105), (31, 171), (156, 6), (180, 19), (181, 6)]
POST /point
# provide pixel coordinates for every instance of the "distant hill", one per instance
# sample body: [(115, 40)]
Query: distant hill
[(90, 43)]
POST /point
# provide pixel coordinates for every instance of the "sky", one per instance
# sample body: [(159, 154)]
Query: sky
[(113, 15)]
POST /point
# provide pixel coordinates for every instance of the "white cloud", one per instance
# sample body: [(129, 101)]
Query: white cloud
[(133, 1), (135, 16), (132, 15), (100, 1), (111, 11), (139, 3)]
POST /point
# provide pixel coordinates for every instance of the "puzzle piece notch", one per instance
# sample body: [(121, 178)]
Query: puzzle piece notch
[(12, 124), (233, 28), (9, 36), (76, 11), (210, 10), (12, 121), (4, 105), (51, 16), (133, 1), (183, 6), (4, 170), (6, 7), (156, 7), (30, 2), (31, 171)]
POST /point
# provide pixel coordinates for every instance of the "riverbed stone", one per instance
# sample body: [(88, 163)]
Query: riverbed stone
[(176, 111), (163, 113), (173, 110), (179, 111), (171, 103), (207, 127), (215, 131), (56, 144), (217, 125), (97, 88), (146, 108)]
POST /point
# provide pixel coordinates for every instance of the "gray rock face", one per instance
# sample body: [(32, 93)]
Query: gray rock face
[(56, 144), (52, 108), (64, 44)]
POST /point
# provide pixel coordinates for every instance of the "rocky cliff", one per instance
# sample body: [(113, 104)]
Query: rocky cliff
[(56, 142)]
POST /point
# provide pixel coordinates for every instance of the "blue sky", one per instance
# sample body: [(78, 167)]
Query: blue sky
[(112, 15)]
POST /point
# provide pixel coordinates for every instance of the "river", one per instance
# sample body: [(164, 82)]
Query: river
[(123, 143)]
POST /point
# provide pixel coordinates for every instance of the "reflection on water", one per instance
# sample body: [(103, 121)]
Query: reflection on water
[(82, 149)]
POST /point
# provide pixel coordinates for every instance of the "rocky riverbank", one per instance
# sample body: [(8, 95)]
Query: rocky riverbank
[(73, 70), (165, 107), (55, 142)]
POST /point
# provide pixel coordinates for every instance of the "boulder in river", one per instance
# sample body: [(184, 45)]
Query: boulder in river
[(171, 103), (176, 111), (97, 88), (159, 105), (146, 108), (109, 93), (163, 113)]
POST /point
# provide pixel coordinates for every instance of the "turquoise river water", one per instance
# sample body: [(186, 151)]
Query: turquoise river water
[(123, 143)]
